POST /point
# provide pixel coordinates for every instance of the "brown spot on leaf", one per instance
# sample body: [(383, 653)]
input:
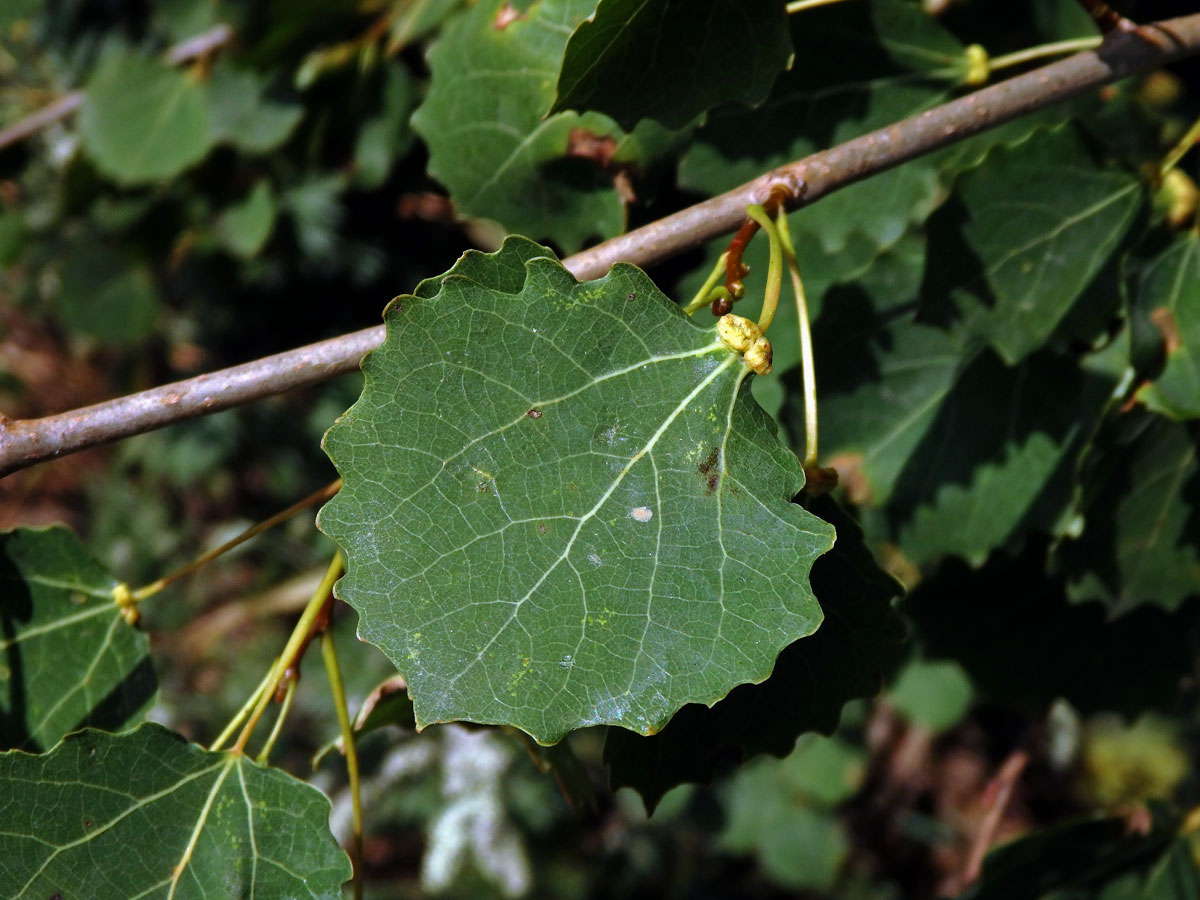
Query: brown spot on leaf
[(586, 145), (534, 413), (426, 207), (1164, 320), (850, 475), (393, 685), (819, 480), (624, 186), (711, 469), (505, 16), (600, 149)]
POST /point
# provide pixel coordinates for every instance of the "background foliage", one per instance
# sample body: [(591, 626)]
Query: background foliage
[(1006, 339)]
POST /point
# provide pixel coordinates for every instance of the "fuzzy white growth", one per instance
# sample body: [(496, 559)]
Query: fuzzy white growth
[(473, 825)]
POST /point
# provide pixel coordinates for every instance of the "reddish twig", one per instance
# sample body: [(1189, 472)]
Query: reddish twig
[(1106, 18), (804, 181), (996, 798)]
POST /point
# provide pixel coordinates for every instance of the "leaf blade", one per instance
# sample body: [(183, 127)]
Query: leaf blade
[(618, 63), (143, 121), (561, 494), (76, 811), (55, 595)]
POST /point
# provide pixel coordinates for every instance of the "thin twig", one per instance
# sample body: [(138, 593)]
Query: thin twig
[(998, 796), (313, 499), (1107, 18), (28, 441), (798, 6), (338, 689), (36, 121), (185, 51), (805, 181), (312, 620), (808, 180), (1179, 151)]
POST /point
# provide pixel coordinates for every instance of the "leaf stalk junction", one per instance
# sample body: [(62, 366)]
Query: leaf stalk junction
[(747, 337)]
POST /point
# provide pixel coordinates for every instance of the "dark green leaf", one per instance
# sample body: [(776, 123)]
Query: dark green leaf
[(857, 646), (317, 212), (1141, 531), (183, 19), (859, 66), (386, 137), (492, 81), (1075, 651), (671, 60), (1022, 237), (143, 121), (67, 657), (16, 11), (413, 19), (934, 694), (561, 507), (782, 811), (1175, 876), (12, 237), (105, 297), (244, 227), (243, 116), (147, 814), (1166, 296), (963, 453), (1089, 855)]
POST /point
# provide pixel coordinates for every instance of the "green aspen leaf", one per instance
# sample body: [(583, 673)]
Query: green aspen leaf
[(997, 457), (67, 657), (243, 228), (143, 121), (13, 234), (1023, 236), (146, 814), (961, 453), (183, 19), (1141, 536), (783, 812), (1175, 876), (859, 643), (671, 60), (1091, 857), (933, 694), (17, 11), (106, 297), (859, 66), (243, 116), (1077, 651), (483, 120), (1166, 297), (413, 19), (560, 506), (385, 137)]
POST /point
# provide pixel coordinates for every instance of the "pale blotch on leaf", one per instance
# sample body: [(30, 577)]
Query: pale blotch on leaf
[(641, 513)]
